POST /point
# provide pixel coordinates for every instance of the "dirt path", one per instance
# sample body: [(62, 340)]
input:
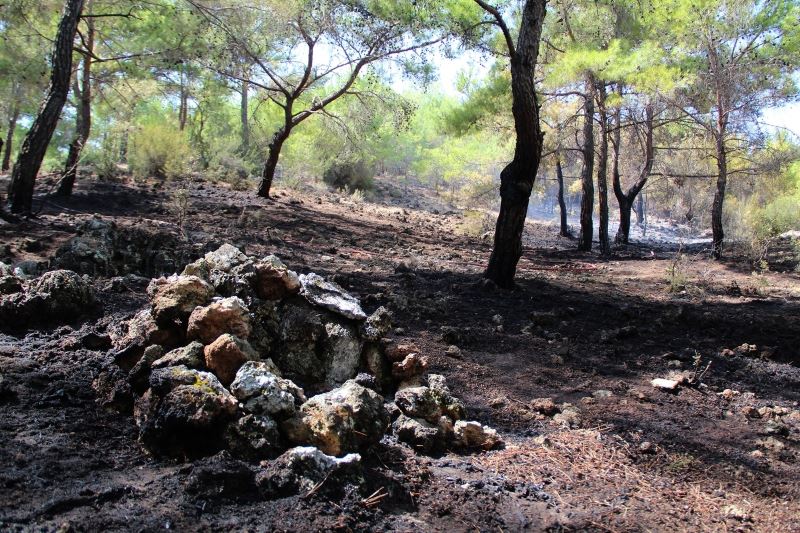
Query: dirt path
[(580, 330)]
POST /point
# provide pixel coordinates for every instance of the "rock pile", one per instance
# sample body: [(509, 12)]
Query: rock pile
[(104, 248), (55, 295), (244, 355)]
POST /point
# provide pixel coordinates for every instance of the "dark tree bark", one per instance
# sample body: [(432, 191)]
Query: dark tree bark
[(562, 205), (183, 109), (516, 179), (245, 117), (626, 199), (639, 209), (587, 198), (83, 121), (35, 144), (12, 126), (602, 169), (717, 231)]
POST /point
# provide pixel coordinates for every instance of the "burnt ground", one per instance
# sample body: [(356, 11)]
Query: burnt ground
[(634, 459)]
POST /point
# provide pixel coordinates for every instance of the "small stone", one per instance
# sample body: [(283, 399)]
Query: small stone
[(340, 421), (569, 417), (305, 468), (330, 296), (729, 394), (602, 393), (497, 319), (227, 315), (750, 412), (497, 402), (418, 433), (175, 298), (262, 392), (647, 447), (226, 355), (735, 512), (413, 365), (398, 352), (254, 437), (190, 356), (274, 281), (454, 351), (665, 384), (475, 435), (377, 325), (545, 406)]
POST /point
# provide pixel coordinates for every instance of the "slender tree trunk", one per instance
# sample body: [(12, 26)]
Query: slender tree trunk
[(639, 209), (562, 205), (517, 178), (38, 138), (717, 231), (626, 200), (183, 106), (245, 117), (587, 198), (268, 174), (12, 126), (602, 169), (83, 121)]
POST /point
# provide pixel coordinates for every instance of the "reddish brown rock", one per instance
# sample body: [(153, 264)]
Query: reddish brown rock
[(398, 352), (228, 315), (226, 355), (413, 365)]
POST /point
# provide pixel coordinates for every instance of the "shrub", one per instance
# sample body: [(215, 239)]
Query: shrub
[(159, 150), (352, 176)]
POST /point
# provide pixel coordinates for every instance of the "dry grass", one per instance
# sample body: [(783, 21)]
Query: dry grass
[(596, 477)]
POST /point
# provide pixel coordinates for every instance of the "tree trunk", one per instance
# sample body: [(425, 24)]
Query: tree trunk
[(639, 209), (38, 138), (602, 169), (719, 196), (587, 198), (183, 109), (517, 178), (562, 205), (626, 200), (245, 119), (268, 174), (83, 121), (12, 126)]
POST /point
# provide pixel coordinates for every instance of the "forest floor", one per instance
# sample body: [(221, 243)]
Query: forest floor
[(720, 456)]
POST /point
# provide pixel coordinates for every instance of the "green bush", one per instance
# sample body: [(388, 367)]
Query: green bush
[(349, 175), (159, 150)]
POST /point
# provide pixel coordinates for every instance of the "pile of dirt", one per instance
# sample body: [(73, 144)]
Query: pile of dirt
[(243, 356)]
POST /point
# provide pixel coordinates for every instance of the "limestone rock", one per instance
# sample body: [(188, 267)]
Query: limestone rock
[(343, 351), (190, 356), (174, 298), (261, 391), (340, 421), (273, 280), (183, 412), (226, 355), (227, 315), (431, 402), (475, 435), (330, 296), (301, 469), (225, 258), (377, 325)]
